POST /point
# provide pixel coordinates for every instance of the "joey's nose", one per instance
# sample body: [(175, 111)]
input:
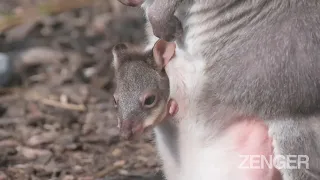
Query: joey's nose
[(149, 99), (131, 129), (126, 129)]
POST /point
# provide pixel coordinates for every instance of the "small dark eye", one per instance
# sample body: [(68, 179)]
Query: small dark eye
[(149, 101), (115, 102)]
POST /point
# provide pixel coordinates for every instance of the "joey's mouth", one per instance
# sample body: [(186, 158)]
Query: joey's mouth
[(133, 129), (128, 129)]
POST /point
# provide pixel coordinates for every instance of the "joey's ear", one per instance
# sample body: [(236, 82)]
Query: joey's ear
[(163, 52), (132, 3), (118, 52)]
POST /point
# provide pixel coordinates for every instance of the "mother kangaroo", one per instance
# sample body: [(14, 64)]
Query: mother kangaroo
[(246, 76)]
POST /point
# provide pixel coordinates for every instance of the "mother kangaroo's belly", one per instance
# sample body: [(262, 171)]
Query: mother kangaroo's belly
[(204, 154), (242, 152)]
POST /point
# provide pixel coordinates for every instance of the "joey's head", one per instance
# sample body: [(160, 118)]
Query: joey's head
[(142, 92)]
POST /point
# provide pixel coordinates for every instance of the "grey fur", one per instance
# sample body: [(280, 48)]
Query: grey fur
[(136, 72), (161, 16), (263, 59), (262, 55), (268, 65)]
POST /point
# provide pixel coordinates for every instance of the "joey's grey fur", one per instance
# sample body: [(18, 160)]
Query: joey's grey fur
[(136, 72)]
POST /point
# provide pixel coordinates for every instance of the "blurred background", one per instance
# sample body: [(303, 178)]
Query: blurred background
[(56, 82)]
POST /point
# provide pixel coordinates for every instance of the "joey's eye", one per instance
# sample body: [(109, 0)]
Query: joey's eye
[(115, 102), (150, 101)]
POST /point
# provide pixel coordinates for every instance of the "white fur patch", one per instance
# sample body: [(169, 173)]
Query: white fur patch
[(202, 161), (199, 160), (186, 77), (151, 42)]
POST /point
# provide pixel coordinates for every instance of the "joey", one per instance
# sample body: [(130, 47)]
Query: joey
[(142, 94)]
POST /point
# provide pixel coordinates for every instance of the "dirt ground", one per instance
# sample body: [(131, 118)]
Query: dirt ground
[(57, 118)]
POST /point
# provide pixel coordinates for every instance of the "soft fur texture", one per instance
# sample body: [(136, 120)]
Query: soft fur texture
[(246, 57), (138, 75)]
